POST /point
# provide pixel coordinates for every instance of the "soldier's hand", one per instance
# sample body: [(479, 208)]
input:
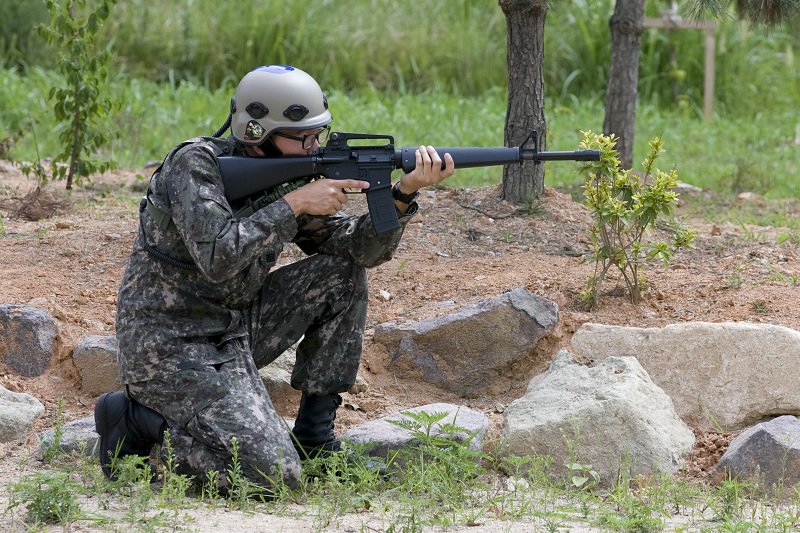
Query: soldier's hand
[(322, 196), (428, 171)]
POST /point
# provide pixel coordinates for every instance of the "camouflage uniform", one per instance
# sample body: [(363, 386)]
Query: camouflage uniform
[(201, 309)]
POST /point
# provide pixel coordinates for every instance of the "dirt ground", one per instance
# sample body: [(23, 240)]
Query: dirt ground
[(463, 245)]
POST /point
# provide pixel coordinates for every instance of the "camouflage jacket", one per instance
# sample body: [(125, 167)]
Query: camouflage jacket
[(180, 309)]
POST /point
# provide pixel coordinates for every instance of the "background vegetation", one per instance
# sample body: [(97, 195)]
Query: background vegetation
[(431, 72)]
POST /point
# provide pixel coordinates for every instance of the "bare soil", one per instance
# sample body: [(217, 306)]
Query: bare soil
[(463, 245)]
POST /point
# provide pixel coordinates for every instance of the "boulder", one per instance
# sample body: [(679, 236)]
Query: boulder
[(76, 436), (482, 348), (380, 437), (611, 416), (17, 413), (721, 377), (27, 339), (277, 378), (767, 453), (96, 358)]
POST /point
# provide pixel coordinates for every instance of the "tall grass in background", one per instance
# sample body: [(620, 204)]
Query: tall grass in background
[(432, 72), (454, 46), (760, 153)]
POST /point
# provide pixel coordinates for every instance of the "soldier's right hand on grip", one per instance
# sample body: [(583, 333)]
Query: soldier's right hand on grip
[(322, 196)]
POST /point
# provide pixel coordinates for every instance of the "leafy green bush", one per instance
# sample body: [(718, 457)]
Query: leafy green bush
[(625, 207), (73, 31)]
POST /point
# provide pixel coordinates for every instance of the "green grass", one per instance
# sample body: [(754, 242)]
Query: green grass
[(436, 73), (729, 154)]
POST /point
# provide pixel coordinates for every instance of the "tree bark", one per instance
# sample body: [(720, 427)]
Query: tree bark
[(627, 24), (525, 112)]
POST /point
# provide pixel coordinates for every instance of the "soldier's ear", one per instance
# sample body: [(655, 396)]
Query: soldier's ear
[(255, 151)]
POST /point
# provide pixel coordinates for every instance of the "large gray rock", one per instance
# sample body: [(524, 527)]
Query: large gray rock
[(27, 339), (380, 437), (77, 436), (96, 358), (720, 376), (611, 415), (17, 413), (483, 348), (768, 453)]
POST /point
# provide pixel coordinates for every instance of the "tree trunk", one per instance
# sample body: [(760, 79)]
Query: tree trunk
[(75, 143), (525, 112), (627, 24)]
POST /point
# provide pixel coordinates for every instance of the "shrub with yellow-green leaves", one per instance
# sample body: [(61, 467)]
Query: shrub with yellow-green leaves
[(625, 208)]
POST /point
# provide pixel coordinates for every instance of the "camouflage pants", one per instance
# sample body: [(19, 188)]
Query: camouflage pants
[(322, 299)]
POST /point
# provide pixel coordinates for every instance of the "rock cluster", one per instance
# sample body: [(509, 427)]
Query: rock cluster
[(632, 406)]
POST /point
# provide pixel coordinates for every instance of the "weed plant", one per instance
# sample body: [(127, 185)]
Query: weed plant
[(174, 486), (48, 498), (53, 448)]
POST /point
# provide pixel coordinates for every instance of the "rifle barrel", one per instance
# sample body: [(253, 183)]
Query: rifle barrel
[(469, 157), (576, 155)]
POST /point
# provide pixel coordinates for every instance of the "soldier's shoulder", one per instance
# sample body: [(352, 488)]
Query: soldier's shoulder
[(202, 146)]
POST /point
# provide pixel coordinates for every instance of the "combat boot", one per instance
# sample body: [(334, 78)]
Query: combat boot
[(313, 430), (126, 427)]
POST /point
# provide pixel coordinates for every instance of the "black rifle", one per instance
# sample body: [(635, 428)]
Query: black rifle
[(265, 179)]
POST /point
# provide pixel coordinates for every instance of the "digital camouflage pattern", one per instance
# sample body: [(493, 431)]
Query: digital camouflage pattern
[(192, 339)]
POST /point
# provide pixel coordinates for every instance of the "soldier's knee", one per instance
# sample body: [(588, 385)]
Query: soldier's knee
[(270, 467), (348, 275)]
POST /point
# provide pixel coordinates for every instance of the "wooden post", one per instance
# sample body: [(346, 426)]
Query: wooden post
[(708, 82), (671, 21)]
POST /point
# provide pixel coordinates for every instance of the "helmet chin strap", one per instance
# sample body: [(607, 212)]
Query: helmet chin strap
[(227, 124), (224, 127)]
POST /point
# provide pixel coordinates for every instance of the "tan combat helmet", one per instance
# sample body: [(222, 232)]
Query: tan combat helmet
[(276, 97)]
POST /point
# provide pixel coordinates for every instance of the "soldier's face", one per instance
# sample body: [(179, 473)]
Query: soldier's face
[(294, 143)]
